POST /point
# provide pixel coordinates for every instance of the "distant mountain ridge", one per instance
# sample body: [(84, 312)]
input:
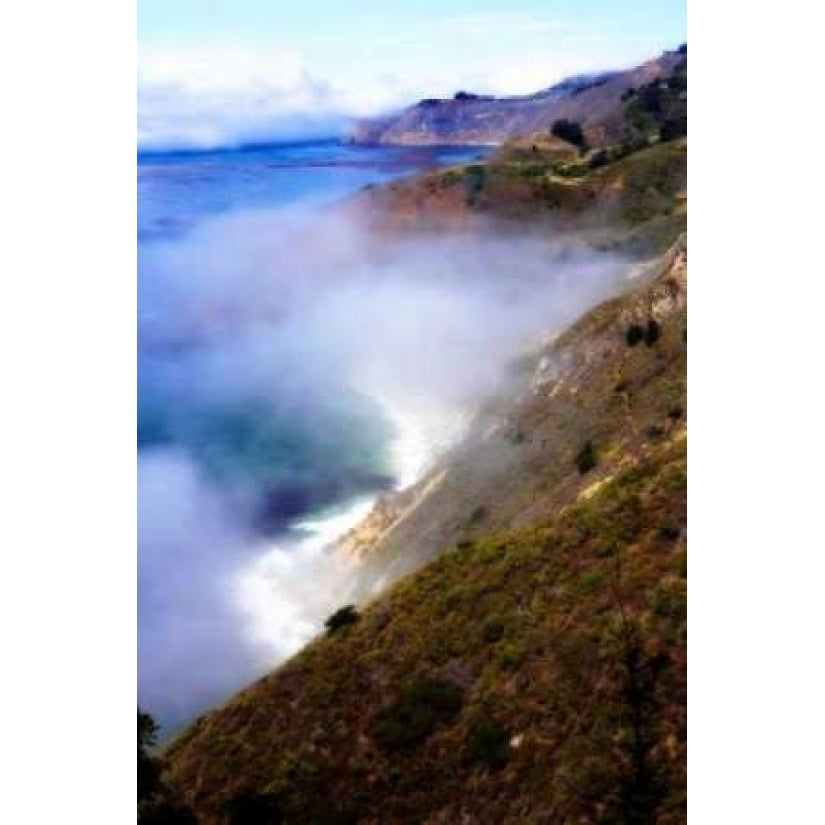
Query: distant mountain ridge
[(594, 100)]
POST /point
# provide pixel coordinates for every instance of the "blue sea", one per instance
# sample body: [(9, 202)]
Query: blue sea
[(176, 190), (249, 426)]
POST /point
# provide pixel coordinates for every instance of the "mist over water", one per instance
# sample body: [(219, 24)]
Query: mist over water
[(290, 369)]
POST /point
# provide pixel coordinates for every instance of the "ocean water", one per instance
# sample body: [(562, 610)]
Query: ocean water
[(290, 370), (256, 443), (176, 190)]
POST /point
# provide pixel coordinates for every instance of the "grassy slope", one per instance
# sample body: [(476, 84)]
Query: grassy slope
[(564, 639), (550, 620), (636, 204), (567, 643), (517, 466)]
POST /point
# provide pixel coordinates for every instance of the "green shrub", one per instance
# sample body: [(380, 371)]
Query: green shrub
[(667, 604), (576, 169), (493, 631), (659, 108), (510, 656), (640, 122), (599, 159), (474, 177), (148, 767), (423, 705), (569, 131), (653, 332), (343, 617), (674, 127), (650, 96), (528, 171), (489, 743), (668, 532), (586, 458), (590, 581), (634, 335), (156, 804)]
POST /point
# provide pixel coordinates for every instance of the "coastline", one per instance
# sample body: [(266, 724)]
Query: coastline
[(335, 551), (281, 619)]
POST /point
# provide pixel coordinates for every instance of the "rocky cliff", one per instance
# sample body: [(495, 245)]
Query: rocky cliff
[(517, 466)]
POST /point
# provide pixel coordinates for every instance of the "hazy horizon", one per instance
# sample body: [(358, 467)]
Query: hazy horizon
[(259, 73)]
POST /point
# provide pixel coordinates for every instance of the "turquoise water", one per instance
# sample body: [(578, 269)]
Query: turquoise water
[(248, 424), (290, 369), (280, 451)]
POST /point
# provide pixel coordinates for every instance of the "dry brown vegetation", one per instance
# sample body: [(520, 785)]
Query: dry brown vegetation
[(530, 668), (635, 203), (528, 674), (562, 649)]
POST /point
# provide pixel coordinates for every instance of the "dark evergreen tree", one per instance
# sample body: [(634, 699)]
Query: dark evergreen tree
[(155, 804), (570, 131)]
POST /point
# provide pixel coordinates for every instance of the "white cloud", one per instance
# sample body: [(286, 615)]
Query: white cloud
[(210, 96), (217, 97)]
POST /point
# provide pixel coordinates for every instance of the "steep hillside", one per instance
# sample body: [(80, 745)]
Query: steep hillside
[(534, 670), (611, 385), (524, 662), (596, 102), (634, 200)]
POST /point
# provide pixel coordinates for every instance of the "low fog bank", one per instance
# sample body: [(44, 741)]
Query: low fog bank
[(291, 366), (188, 548)]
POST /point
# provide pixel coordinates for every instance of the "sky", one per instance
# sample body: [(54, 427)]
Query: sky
[(218, 71)]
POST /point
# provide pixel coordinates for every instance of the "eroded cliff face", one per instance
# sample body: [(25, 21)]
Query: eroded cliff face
[(471, 120), (594, 384)]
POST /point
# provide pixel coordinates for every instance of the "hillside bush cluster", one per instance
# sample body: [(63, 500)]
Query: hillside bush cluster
[(474, 177), (489, 743), (586, 459), (155, 803), (569, 131), (658, 109), (650, 333), (343, 617), (578, 708), (634, 335), (422, 706)]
